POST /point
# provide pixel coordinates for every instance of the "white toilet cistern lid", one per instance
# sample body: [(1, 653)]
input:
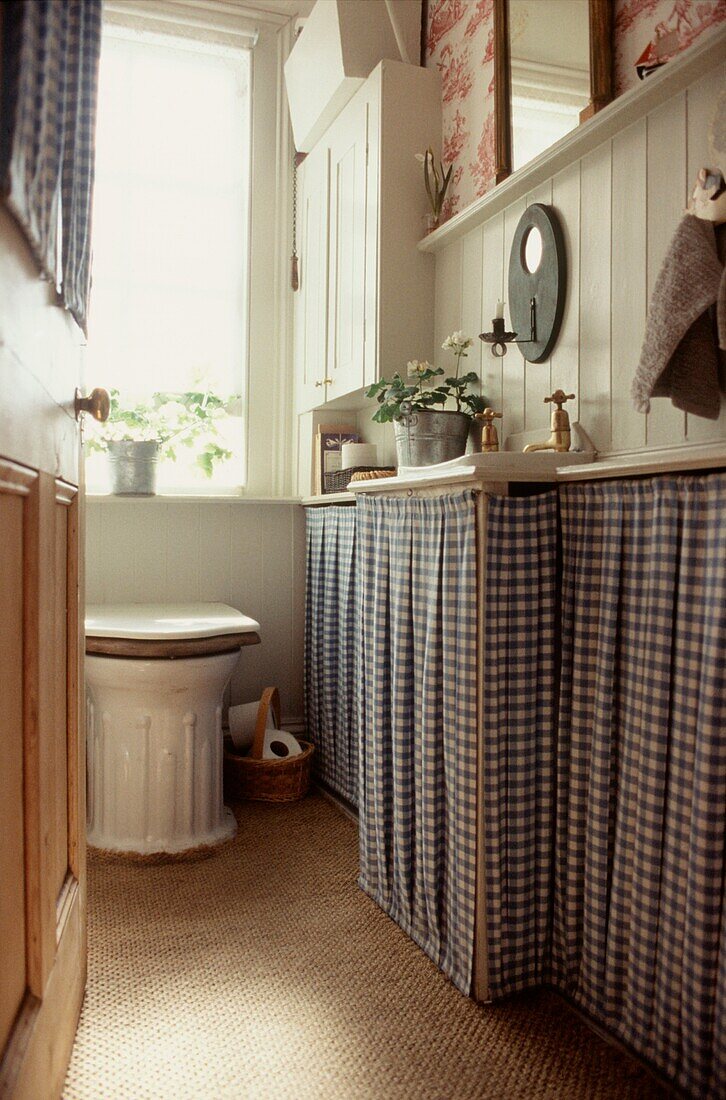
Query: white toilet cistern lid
[(166, 622)]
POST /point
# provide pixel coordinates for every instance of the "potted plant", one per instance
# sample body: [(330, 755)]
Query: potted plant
[(137, 434), (425, 432)]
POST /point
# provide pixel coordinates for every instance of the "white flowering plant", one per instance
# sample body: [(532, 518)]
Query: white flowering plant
[(398, 398), (169, 419), (458, 343)]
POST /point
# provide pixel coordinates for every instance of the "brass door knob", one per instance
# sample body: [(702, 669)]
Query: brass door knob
[(98, 404)]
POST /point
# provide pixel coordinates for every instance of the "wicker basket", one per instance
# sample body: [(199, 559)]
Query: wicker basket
[(337, 481), (251, 777)]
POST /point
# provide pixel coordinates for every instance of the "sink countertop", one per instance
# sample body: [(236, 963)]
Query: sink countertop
[(478, 470), (489, 468)]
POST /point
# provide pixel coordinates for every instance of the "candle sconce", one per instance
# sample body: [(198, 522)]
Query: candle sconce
[(499, 337), (537, 277)]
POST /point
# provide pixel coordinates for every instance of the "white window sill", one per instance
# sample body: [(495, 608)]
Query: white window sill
[(199, 498)]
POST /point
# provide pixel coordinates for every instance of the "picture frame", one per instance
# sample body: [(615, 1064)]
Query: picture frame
[(329, 440)]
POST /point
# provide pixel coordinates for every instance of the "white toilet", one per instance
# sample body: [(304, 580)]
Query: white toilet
[(155, 675)]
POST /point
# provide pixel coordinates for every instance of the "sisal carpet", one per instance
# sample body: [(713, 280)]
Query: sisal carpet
[(263, 972)]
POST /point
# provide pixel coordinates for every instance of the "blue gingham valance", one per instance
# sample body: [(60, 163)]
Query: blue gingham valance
[(50, 52), (518, 736), (639, 920), (418, 720), (331, 646)]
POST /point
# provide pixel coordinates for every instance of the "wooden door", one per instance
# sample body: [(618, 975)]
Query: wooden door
[(346, 336), (311, 312), (42, 768)]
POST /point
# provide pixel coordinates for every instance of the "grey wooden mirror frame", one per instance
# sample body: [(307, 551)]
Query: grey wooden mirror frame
[(601, 76)]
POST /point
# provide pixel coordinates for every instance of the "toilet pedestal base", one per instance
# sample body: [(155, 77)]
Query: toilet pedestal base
[(154, 753)]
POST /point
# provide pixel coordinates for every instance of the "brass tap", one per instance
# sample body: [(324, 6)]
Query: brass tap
[(559, 439), (489, 437)]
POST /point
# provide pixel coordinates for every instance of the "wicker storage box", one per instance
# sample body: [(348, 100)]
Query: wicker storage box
[(337, 482), (280, 780)]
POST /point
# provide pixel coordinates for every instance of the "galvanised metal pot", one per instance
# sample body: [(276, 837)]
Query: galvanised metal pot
[(427, 436), (133, 467)]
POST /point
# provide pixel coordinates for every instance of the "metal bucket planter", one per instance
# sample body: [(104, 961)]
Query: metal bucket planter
[(133, 467), (428, 436)]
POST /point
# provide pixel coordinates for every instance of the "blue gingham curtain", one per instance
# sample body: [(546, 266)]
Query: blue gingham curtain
[(331, 641), (418, 720), (518, 737), (639, 926), (50, 55)]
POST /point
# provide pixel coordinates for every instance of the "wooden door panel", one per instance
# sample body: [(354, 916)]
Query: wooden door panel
[(58, 731), (42, 913), (76, 691), (12, 873), (39, 591)]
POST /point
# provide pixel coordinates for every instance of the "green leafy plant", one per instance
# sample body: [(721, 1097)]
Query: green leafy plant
[(170, 419), (398, 398)]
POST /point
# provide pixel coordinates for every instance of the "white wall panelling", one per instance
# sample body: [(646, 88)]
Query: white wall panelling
[(593, 389), (564, 360), (491, 287), (247, 554), (449, 297), (629, 292), (471, 305), (619, 205), (513, 369)]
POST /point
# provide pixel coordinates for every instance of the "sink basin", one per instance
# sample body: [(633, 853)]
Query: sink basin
[(503, 465)]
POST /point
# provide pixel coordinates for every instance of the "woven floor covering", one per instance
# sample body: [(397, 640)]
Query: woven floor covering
[(263, 971)]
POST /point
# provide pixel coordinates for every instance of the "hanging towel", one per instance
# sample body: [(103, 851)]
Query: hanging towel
[(679, 357)]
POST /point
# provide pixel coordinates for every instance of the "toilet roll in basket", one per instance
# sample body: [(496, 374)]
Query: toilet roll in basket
[(243, 723), (262, 774)]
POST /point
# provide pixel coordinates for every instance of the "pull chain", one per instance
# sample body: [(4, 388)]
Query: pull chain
[(297, 159), (294, 270)]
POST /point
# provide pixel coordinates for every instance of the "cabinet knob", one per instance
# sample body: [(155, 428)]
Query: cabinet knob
[(325, 382)]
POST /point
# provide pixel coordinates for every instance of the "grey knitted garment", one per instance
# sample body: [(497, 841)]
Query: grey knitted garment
[(680, 356)]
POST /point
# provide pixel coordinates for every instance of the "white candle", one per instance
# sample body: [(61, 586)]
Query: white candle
[(500, 310)]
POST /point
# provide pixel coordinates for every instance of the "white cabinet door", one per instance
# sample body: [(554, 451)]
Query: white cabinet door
[(311, 312), (348, 140)]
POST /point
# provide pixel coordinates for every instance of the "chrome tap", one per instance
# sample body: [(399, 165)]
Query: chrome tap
[(559, 439)]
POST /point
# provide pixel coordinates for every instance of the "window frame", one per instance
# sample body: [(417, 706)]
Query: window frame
[(266, 373)]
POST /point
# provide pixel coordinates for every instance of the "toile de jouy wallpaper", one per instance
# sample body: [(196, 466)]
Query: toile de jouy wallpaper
[(459, 44)]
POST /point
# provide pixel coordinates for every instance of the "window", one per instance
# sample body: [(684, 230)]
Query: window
[(170, 233)]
